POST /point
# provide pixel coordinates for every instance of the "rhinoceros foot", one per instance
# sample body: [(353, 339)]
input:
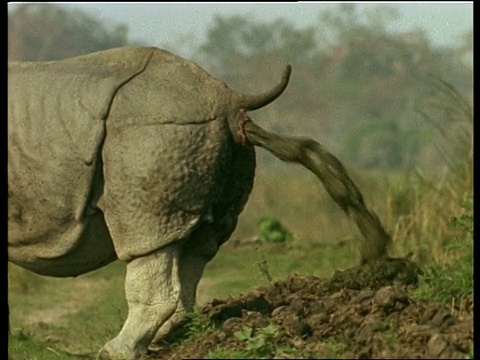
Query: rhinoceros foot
[(117, 350)]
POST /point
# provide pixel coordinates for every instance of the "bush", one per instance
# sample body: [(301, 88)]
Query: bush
[(271, 230)]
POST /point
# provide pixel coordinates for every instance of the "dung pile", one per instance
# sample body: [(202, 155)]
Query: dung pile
[(363, 312)]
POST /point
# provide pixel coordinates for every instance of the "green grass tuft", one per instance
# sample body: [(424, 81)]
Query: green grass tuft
[(452, 281)]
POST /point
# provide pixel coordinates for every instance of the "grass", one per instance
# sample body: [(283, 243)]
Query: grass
[(452, 280), (241, 269), (25, 346), (65, 315)]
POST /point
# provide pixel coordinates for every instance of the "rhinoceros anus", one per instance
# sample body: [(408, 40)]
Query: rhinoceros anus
[(133, 154)]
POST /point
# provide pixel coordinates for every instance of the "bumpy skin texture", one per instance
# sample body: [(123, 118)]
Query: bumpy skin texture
[(128, 154), (165, 164)]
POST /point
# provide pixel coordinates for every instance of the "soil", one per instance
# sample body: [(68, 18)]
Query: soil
[(363, 312)]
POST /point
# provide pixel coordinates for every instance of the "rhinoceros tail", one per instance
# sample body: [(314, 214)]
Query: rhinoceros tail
[(334, 177), (254, 102)]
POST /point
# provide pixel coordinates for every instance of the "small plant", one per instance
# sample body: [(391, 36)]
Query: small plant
[(465, 220), (263, 266), (389, 334), (470, 354), (262, 344), (196, 324), (259, 346), (222, 353), (272, 231), (334, 347)]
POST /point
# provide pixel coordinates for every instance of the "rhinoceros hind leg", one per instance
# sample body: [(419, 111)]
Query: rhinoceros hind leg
[(194, 255), (152, 290)]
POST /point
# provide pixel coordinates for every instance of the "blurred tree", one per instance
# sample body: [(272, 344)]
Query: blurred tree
[(354, 84), (378, 78), (339, 24), (51, 32), (355, 81), (235, 38)]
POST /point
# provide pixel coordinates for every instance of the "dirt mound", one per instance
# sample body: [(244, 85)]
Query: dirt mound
[(363, 312)]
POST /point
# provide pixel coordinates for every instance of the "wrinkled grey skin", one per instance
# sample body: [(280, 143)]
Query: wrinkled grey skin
[(128, 154)]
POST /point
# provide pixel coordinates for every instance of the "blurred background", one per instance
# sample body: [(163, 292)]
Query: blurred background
[(359, 70)]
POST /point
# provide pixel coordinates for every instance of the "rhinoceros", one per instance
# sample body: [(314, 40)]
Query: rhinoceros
[(133, 154)]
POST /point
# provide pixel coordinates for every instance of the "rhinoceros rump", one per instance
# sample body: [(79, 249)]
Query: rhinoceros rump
[(133, 154)]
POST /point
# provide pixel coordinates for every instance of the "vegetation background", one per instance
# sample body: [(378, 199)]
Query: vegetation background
[(393, 108)]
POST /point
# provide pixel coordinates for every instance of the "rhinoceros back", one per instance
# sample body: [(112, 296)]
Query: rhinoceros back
[(56, 125)]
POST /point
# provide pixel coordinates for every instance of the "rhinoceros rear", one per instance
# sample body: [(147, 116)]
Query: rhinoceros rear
[(131, 153), (70, 120)]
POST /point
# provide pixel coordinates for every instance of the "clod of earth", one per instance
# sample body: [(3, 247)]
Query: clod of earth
[(348, 316)]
